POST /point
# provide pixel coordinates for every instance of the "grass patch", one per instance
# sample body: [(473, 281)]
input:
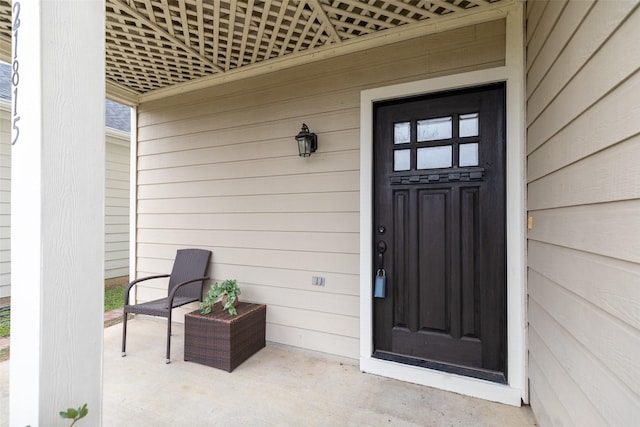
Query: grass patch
[(114, 298), (5, 324)]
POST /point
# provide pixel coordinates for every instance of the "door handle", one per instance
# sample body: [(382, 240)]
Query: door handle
[(382, 248), (379, 289)]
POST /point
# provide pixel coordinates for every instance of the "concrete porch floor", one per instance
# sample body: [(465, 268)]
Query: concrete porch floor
[(278, 386)]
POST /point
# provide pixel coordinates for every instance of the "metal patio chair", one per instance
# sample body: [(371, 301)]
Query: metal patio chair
[(185, 286)]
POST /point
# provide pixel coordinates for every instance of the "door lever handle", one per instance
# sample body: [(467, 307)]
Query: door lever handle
[(382, 248)]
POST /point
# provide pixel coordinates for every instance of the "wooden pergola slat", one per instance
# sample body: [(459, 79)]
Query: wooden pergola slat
[(259, 36)]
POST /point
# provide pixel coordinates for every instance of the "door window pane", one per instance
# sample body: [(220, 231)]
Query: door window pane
[(434, 157), (468, 154), (468, 125), (434, 129), (402, 133), (401, 160)]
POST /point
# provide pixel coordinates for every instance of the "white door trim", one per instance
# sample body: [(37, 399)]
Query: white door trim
[(513, 74)]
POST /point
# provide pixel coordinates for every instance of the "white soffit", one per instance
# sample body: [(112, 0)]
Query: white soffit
[(153, 45)]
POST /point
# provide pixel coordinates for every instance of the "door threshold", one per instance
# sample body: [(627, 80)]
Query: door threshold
[(466, 371), (468, 386)]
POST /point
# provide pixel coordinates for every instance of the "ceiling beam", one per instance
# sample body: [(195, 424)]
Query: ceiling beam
[(324, 18)]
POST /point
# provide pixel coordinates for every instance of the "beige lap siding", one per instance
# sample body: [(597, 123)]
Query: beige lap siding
[(583, 87), (117, 205)]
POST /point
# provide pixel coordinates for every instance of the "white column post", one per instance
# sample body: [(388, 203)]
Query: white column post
[(133, 197), (57, 210)]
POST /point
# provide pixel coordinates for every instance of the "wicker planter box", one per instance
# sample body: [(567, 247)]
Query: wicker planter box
[(224, 341)]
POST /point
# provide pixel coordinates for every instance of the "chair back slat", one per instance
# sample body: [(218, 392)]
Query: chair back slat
[(189, 264)]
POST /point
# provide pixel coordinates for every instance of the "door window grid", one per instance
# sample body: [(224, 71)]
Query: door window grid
[(440, 156)]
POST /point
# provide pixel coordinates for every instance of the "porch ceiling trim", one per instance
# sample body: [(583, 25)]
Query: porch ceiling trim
[(378, 38), (159, 48), (122, 94)]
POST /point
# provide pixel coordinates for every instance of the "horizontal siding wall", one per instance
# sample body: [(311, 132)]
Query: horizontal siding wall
[(5, 199), (116, 255), (219, 169), (583, 116)]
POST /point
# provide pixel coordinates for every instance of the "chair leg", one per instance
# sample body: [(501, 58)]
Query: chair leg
[(169, 337), (124, 333)]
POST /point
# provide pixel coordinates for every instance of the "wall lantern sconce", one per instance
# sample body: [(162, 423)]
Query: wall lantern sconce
[(307, 141)]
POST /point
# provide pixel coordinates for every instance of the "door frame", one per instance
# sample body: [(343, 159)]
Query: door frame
[(512, 73)]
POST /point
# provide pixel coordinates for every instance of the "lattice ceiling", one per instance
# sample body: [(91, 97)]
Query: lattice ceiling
[(153, 44)]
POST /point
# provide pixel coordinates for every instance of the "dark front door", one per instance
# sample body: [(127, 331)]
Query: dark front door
[(439, 231)]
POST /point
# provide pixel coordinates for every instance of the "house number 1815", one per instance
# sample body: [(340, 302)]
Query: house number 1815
[(15, 76)]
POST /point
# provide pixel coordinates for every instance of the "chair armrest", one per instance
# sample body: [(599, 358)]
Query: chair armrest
[(135, 282), (175, 289)]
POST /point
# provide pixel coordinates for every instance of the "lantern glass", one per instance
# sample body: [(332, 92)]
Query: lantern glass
[(304, 146)]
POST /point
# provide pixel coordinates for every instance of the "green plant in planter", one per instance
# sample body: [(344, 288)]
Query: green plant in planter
[(230, 289)]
